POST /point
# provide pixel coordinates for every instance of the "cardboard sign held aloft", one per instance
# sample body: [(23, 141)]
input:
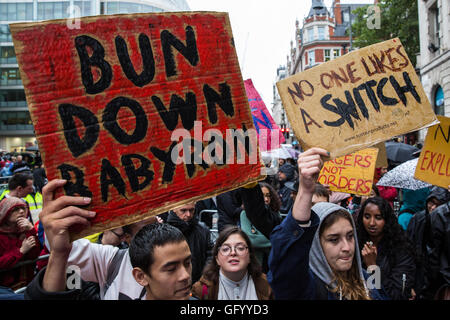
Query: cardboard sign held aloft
[(142, 112), (269, 134), (382, 161), (433, 165), (353, 102), (351, 173)]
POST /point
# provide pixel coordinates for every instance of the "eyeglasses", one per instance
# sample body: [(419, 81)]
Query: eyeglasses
[(240, 249), (267, 195), (118, 235)]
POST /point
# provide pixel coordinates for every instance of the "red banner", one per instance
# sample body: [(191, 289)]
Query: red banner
[(113, 101)]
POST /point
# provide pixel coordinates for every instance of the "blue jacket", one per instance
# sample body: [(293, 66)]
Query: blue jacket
[(290, 275)]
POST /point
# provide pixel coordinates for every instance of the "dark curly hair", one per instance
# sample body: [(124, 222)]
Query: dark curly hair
[(275, 201), (211, 270), (394, 237)]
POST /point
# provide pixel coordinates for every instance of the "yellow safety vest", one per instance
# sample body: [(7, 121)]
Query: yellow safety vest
[(34, 202)]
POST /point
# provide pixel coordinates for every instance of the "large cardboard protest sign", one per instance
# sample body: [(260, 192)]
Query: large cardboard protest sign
[(360, 99), (142, 112), (433, 165), (382, 161), (351, 173), (269, 134)]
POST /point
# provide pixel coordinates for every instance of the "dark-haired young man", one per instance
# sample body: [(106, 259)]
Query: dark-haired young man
[(149, 275)]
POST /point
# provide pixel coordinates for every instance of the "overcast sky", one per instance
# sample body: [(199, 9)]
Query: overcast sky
[(262, 30)]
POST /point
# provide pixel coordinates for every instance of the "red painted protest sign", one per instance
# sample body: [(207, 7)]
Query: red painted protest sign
[(269, 134), (113, 101)]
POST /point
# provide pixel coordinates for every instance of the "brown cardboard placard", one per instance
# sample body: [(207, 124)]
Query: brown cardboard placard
[(114, 100), (360, 99)]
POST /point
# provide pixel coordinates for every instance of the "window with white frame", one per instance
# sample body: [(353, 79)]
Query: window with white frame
[(311, 34), (321, 33), (327, 54), (311, 57), (336, 53)]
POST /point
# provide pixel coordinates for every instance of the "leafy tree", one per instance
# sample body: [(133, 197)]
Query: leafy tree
[(399, 18)]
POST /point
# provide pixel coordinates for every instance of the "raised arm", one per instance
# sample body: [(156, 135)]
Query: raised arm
[(309, 165), (58, 216), (290, 276)]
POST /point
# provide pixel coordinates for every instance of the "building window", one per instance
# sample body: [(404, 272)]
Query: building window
[(345, 16), (439, 101), (53, 10), (10, 77), (7, 55), (311, 57), (16, 11), (5, 34), (85, 7), (327, 55), (434, 27), (311, 34), (12, 98), (18, 120), (336, 53), (321, 33)]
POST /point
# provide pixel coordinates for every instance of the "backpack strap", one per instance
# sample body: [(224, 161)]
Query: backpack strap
[(113, 269)]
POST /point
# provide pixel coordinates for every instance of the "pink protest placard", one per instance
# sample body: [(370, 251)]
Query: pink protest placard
[(269, 134)]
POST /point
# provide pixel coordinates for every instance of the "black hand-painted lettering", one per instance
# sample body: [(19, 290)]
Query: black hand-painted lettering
[(329, 107), (300, 90), (77, 145), (148, 61), (110, 120), (371, 94), (110, 176), (77, 187), (196, 153), (347, 110), (187, 109), (166, 158), (408, 87), (189, 51), (96, 60), (223, 100), (134, 174), (359, 100), (310, 122), (387, 101)]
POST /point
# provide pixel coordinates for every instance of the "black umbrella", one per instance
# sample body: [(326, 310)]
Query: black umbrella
[(400, 152), (32, 148)]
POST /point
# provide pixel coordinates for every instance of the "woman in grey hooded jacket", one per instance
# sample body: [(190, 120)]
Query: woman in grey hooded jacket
[(315, 253)]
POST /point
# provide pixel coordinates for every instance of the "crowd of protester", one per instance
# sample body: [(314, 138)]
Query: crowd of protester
[(286, 237)]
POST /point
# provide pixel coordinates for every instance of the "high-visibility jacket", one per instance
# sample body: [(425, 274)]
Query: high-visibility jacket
[(34, 202)]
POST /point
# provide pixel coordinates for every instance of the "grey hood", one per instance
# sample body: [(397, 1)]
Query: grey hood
[(317, 260)]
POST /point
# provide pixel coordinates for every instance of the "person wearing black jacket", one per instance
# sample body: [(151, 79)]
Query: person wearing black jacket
[(197, 236), (286, 174), (229, 208), (419, 232), (440, 254), (384, 244)]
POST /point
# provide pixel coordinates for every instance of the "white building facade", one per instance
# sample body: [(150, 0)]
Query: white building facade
[(434, 59)]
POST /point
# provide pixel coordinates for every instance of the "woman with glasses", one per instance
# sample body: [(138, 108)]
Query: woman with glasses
[(256, 204), (234, 272)]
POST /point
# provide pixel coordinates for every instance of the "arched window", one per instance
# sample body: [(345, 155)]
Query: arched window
[(439, 101)]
